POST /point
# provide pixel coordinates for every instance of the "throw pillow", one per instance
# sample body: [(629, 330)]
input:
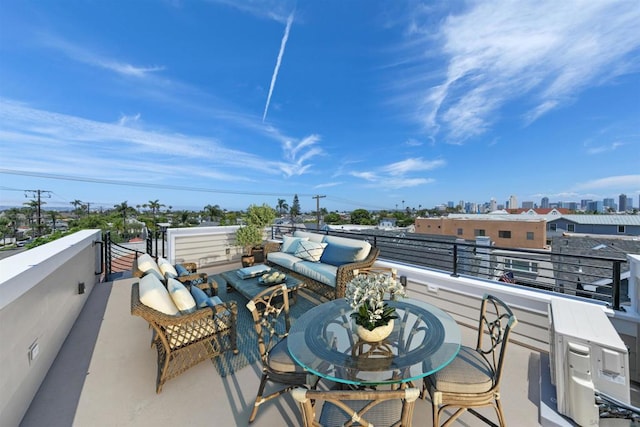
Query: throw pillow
[(181, 296), (167, 269), (146, 263), (153, 294), (310, 251), (199, 296), (339, 255), (290, 244), (152, 272), (181, 270)]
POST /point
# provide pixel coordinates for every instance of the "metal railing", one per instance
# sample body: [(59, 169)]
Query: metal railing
[(584, 276), (117, 258)]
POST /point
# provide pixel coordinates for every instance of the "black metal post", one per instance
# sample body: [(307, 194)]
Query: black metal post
[(455, 261), (615, 290), (107, 255)]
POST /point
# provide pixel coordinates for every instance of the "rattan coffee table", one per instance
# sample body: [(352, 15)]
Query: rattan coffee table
[(251, 287)]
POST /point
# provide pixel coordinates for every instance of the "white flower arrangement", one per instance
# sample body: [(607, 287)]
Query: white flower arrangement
[(366, 295)]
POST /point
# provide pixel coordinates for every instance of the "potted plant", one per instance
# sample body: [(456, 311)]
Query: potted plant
[(259, 217), (372, 315), (248, 236)]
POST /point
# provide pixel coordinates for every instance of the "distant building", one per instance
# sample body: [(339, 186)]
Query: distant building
[(544, 203), (505, 230), (612, 225), (622, 203), (527, 205), (595, 206), (387, 222), (610, 203), (513, 202)]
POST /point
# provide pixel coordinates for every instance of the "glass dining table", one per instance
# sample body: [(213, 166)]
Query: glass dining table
[(424, 340)]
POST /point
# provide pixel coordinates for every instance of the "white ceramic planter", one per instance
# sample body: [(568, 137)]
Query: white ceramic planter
[(377, 334)]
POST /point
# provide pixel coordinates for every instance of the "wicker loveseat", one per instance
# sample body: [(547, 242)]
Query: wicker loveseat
[(183, 340), (327, 274)]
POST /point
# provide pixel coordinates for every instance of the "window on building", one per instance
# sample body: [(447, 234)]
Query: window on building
[(621, 229), (552, 227), (504, 234), (460, 232), (520, 265), (571, 227), (530, 235), (478, 232)]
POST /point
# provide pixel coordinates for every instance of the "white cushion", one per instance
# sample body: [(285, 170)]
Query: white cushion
[(310, 251), (181, 296), (146, 263), (290, 244), (153, 294), (167, 269)]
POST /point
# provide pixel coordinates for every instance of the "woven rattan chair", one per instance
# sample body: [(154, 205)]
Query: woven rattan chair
[(473, 378), (185, 340), (270, 311), (357, 407)]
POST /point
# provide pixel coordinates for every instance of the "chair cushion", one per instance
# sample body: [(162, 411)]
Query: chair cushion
[(338, 255), (280, 360), (320, 272), (467, 373), (283, 259), (310, 251), (146, 263), (166, 268), (153, 294), (387, 413), (153, 272), (199, 296), (290, 244), (181, 296)]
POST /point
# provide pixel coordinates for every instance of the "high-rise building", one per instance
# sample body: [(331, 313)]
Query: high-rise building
[(493, 205), (583, 203), (544, 203), (513, 202), (595, 206), (610, 203), (527, 205), (622, 203)]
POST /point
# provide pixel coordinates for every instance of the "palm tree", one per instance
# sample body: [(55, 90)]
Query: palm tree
[(123, 208), (282, 206), (54, 216), (213, 212), (155, 206)]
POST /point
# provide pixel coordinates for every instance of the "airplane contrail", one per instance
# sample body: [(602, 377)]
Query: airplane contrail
[(283, 44)]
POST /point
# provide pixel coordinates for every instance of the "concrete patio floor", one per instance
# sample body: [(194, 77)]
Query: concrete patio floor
[(105, 376)]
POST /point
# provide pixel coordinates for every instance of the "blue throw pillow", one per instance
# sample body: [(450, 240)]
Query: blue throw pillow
[(181, 270), (339, 255), (200, 296)]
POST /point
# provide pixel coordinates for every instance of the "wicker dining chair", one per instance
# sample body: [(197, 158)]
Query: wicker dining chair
[(270, 311), (357, 407), (472, 379)]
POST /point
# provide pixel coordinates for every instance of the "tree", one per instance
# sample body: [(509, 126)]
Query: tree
[(260, 216), (155, 206), (332, 218), (361, 216), (78, 207), (54, 216), (282, 206), (213, 212), (294, 211), (123, 208)]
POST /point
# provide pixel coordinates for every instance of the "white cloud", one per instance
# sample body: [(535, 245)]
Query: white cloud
[(412, 165), (545, 52), (612, 182), (329, 184), (274, 77), (394, 175), (604, 148)]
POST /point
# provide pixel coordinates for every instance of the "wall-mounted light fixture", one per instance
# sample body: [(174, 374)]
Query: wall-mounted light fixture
[(81, 288)]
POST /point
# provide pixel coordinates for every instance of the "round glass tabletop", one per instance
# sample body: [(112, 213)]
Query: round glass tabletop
[(424, 340)]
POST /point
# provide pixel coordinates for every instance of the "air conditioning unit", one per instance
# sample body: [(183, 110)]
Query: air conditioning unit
[(586, 354)]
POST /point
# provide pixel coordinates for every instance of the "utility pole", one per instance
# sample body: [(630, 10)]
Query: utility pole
[(318, 197), (38, 194)]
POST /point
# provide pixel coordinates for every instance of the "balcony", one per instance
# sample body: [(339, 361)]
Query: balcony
[(74, 355)]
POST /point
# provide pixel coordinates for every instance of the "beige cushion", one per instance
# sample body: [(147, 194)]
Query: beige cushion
[(146, 263), (181, 296), (290, 244), (167, 269), (280, 360), (153, 294), (468, 373), (310, 251)]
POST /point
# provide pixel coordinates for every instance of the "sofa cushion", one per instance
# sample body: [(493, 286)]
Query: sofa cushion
[(153, 294), (282, 259), (153, 272), (338, 255), (167, 269), (323, 273), (365, 247), (146, 263), (310, 251), (199, 296), (181, 296), (290, 244), (313, 237)]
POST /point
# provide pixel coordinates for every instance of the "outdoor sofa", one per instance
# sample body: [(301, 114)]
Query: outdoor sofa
[(325, 263)]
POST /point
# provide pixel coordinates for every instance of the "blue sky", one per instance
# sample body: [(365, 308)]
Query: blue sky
[(373, 104)]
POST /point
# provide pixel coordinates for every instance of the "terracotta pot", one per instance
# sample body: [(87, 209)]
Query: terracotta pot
[(247, 260), (377, 334)]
